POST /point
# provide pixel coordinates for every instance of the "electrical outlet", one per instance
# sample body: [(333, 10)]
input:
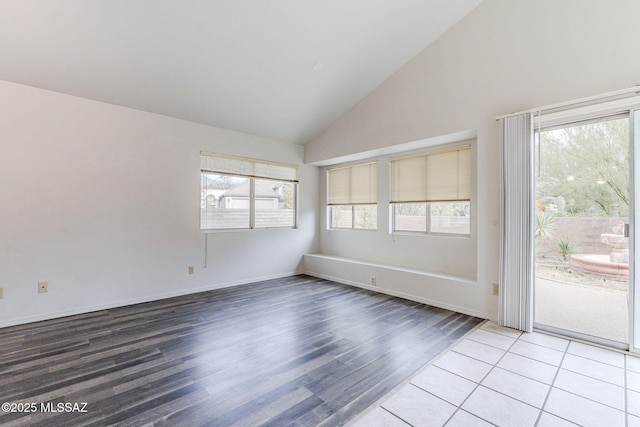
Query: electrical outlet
[(1, 292), (192, 269), (43, 287), (373, 280), (495, 289)]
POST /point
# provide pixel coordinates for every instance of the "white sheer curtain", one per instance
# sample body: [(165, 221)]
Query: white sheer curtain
[(517, 191)]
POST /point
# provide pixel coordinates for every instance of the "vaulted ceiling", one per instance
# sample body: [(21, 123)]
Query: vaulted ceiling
[(282, 69)]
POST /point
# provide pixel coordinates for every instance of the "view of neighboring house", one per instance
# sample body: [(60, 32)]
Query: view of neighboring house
[(267, 196), (230, 207)]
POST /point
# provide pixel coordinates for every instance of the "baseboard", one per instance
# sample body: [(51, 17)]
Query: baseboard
[(389, 267), (403, 295), (133, 301)]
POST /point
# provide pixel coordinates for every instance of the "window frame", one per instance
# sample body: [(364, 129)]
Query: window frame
[(252, 175), (428, 221), (353, 217)]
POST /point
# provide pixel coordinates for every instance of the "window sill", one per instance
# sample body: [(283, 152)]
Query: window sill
[(423, 234), (352, 229)]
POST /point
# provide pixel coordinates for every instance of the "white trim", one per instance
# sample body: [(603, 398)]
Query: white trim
[(132, 301), (633, 296), (601, 110), (584, 338), (453, 138), (460, 279), (403, 295), (596, 99)]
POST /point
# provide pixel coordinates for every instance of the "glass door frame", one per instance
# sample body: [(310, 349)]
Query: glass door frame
[(631, 108), (634, 231)]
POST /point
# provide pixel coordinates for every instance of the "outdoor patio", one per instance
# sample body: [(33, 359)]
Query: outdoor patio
[(586, 308)]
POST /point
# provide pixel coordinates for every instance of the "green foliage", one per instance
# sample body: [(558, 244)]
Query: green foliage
[(288, 196), (410, 209), (567, 247), (436, 209), (545, 224), (588, 165), (221, 182), (366, 216), (460, 209)]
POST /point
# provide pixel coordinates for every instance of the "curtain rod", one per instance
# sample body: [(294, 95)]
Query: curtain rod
[(618, 94)]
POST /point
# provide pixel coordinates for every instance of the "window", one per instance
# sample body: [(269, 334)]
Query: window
[(352, 197), (431, 192), (238, 193)]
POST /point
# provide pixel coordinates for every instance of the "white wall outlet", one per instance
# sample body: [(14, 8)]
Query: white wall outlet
[(373, 280), (1, 292), (495, 289), (43, 287), (192, 269)]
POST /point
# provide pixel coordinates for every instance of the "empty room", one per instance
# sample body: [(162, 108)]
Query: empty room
[(294, 213)]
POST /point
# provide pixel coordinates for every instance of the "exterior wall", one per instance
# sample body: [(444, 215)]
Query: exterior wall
[(585, 233)]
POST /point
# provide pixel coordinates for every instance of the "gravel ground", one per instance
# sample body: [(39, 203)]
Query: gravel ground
[(581, 302), (558, 271)]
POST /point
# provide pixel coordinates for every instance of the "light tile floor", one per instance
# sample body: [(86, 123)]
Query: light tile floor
[(499, 376)]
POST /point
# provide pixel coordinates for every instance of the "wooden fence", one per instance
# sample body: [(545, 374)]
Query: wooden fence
[(239, 218)]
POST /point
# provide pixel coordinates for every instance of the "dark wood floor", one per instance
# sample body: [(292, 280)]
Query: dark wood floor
[(299, 351)]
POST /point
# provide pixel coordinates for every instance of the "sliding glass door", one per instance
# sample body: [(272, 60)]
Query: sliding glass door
[(584, 212)]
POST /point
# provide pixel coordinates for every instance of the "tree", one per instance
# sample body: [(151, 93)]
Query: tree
[(587, 165), (221, 182), (288, 196)]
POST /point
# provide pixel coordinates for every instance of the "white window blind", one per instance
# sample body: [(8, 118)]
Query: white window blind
[(353, 185), (229, 165), (432, 177)]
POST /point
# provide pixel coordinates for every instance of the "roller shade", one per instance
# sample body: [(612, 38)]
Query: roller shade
[(228, 165), (353, 185), (432, 177)]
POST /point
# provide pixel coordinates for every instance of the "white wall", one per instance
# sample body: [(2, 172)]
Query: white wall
[(103, 202), (505, 56)]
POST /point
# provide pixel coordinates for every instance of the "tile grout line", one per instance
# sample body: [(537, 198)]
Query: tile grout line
[(558, 367), (493, 366), (624, 371), (566, 352), (544, 404), (459, 407), (388, 395), (551, 386), (626, 411), (396, 416)]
